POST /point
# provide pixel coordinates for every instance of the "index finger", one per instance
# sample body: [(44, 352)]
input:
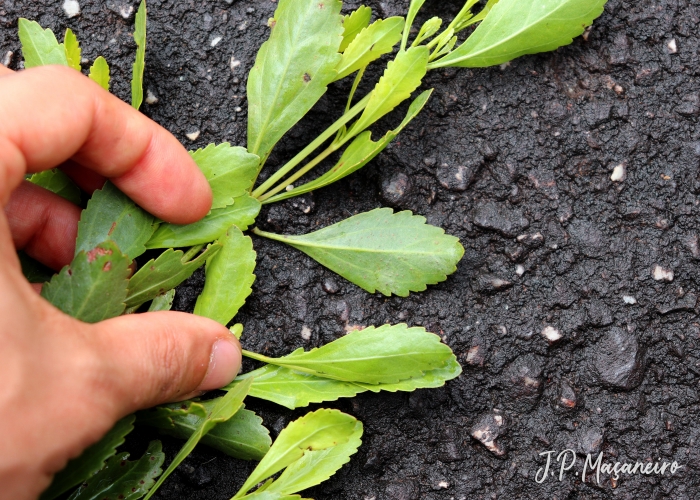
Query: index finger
[(52, 114)]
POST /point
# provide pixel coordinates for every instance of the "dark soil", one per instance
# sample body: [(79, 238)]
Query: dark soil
[(550, 241)]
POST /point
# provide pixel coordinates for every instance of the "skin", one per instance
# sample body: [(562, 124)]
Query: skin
[(65, 383)]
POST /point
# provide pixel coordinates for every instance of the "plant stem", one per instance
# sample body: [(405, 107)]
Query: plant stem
[(255, 355), (192, 252)]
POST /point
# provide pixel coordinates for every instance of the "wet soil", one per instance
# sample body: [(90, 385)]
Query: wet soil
[(574, 310)]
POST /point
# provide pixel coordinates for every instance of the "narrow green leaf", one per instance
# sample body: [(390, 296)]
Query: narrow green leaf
[(429, 28), (241, 214), (482, 13), (353, 23), (316, 466), (225, 408), (413, 9), (231, 171), (513, 28), (140, 62), (99, 73), (229, 276), (72, 46), (164, 273), (90, 461), (243, 436), (403, 75), (93, 287), (292, 69), (39, 46), (162, 302), (264, 495), (34, 271), (124, 480), (111, 215), (360, 152), (57, 182), (317, 430), (370, 44), (382, 251)]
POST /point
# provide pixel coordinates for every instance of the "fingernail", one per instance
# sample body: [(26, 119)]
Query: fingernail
[(224, 364)]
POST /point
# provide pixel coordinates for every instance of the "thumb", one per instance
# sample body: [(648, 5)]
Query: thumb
[(158, 357)]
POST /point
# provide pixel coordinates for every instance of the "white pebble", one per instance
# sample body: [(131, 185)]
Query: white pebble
[(619, 173), (520, 270), (305, 332), (71, 8), (151, 97), (193, 136), (629, 299), (672, 48), (216, 41), (238, 109), (126, 10), (661, 274), (234, 63), (551, 334), (443, 484), (7, 59), (289, 188)]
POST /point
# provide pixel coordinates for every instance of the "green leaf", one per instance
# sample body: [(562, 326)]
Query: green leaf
[(429, 28), (513, 28), (72, 47), (403, 75), (158, 276), (382, 251), (317, 430), (93, 287), (229, 276), (33, 270), (162, 302), (231, 171), (264, 495), (99, 73), (57, 182), (353, 23), (243, 436), (360, 152), (316, 466), (383, 355), (225, 408), (241, 214), (292, 69), (39, 46), (413, 9), (482, 13), (140, 62), (123, 480), (111, 215), (430, 379), (90, 461), (370, 44)]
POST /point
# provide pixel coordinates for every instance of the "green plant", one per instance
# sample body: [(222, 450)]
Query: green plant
[(311, 46)]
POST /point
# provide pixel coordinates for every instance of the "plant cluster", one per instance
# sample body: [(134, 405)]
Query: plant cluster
[(311, 45)]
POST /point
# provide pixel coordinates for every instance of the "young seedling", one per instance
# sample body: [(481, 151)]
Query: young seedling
[(311, 45)]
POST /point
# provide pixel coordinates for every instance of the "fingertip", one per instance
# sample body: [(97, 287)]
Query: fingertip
[(224, 364)]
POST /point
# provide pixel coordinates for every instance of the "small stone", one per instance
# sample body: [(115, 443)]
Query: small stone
[(429, 162), (305, 332), (7, 59), (234, 63), (522, 381), (193, 136), (215, 41), (628, 299), (619, 173), (689, 106), (551, 334), (126, 10), (395, 189), (618, 360), (71, 8), (487, 429), (567, 396), (476, 355), (330, 286), (671, 46), (590, 440), (151, 97), (458, 178), (662, 274), (443, 485), (692, 244), (519, 270), (496, 217)]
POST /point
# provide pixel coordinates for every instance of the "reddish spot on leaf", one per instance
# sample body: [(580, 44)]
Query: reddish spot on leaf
[(93, 254), (307, 77), (106, 268), (111, 229)]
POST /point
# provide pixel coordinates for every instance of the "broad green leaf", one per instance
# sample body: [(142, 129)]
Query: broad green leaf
[(241, 214), (90, 461), (225, 408), (403, 75), (140, 62), (33, 270), (264, 495), (158, 276), (382, 251), (383, 355), (39, 46), (111, 215), (316, 466), (360, 152), (123, 480), (162, 302), (370, 44), (229, 277), (430, 380), (317, 430), (99, 73), (353, 23), (92, 288), (57, 182), (513, 28), (72, 47), (413, 9), (231, 171), (292, 69), (243, 436)]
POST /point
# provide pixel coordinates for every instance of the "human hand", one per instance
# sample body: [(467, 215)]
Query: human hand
[(65, 383)]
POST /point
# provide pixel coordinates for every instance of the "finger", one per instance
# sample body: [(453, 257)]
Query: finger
[(43, 224), (71, 117), (4, 70), (87, 180), (154, 358)]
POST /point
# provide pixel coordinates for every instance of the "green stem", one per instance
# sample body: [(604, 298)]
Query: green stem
[(355, 84), (255, 355), (192, 252), (356, 110)]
